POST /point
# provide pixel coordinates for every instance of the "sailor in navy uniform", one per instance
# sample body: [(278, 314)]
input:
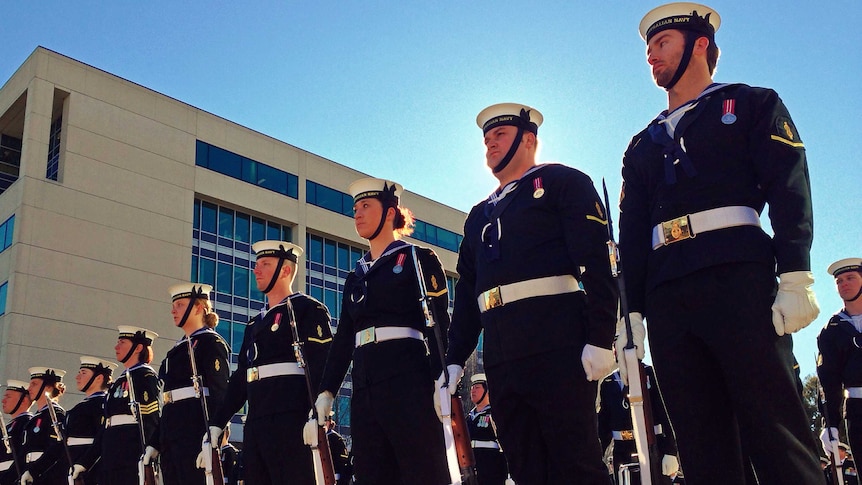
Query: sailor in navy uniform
[(16, 403), (182, 422), (615, 424), (397, 437), (118, 445), (45, 464), (341, 458), (86, 419), (229, 459), (839, 364), (701, 270), (491, 467), (535, 275), (268, 376)]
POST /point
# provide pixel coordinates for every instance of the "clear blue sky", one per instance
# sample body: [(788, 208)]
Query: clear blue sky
[(393, 88)]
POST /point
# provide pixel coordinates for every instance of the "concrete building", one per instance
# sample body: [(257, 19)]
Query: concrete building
[(110, 192)]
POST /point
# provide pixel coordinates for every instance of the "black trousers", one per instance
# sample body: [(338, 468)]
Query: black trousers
[(397, 437), (177, 461), (726, 378), (491, 467), (545, 412), (273, 451)]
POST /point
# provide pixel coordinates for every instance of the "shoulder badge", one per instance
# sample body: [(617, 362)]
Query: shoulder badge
[(217, 365), (599, 210), (319, 331), (434, 281), (146, 396)]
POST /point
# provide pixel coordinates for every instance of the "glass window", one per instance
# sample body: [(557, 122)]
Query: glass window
[(330, 199), (207, 271), (240, 281), (249, 171), (292, 185), (197, 215), (225, 222), (4, 289), (273, 231), (272, 178), (224, 280), (208, 217), (258, 229), (225, 162), (194, 276), (201, 154), (419, 231), (311, 192), (237, 331), (242, 227), (329, 253), (447, 239), (314, 249), (347, 205), (286, 233), (344, 257)]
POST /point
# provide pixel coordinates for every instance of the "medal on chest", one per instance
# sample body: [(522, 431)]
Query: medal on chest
[(728, 117), (37, 428), (538, 189), (277, 323), (399, 264)]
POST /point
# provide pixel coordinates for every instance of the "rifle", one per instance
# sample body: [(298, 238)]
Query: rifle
[(459, 452), (212, 460), (836, 457), (639, 398), (55, 423), (10, 448), (146, 473), (324, 471)]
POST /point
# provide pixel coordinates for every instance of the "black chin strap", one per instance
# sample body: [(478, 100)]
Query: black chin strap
[(90, 382), (858, 294), (484, 391), (197, 293), (276, 273), (20, 401), (683, 63), (129, 354), (511, 153), (382, 222), (41, 390)]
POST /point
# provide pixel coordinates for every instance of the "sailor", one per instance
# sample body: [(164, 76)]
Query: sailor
[(45, 464), (491, 467), (16, 403), (86, 419)]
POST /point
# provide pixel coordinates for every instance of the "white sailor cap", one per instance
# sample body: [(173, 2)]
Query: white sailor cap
[(680, 16), (16, 385), (510, 114), (478, 379), (97, 365), (137, 335), (47, 374), (185, 290), (277, 249), (387, 191), (845, 265)]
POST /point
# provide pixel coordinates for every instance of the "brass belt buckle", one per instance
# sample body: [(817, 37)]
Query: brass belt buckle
[(252, 374), (166, 397), (627, 435), (492, 298), (367, 336), (677, 229)]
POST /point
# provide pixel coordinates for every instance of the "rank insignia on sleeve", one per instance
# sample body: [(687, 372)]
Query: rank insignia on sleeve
[(785, 132), (319, 331), (217, 365), (434, 282), (146, 396), (599, 210)]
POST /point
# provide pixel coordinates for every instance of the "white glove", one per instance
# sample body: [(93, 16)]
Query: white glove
[(309, 433), (597, 362), (829, 445), (215, 436), (26, 478), (638, 336), (669, 465), (795, 304), (75, 471), (509, 481), (323, 406), (455, 372), (150, 454)]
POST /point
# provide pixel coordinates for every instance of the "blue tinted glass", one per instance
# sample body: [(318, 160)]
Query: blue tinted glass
[(258, 229), (225, 222), (310, 192), (243, 230), (419, 231), (329, 199), (447, 239), (249, 171), (197, 215), (316, 292), (344, 257), (292, 186), (224, 280), (4, 288), (207, 271), (225, 162), (272, 179), (240, 282), (273, 231), (347, 205), (431, 233), (208, 217), (286, 233), (329, 253), (194, 276), (237, 331), (223, 329), (201, 154), (314, 251)]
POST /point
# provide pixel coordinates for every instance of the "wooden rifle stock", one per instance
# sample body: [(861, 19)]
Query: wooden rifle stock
[(463, 447), (322, 454)]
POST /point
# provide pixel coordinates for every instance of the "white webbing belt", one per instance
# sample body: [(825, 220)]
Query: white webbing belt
[(853, 392), (5, 465), (33, 456), (381, 334), (72, 441), (547, 286), (274, 370), (705, 221), (120, 420), (181, 394), (493, 445), (628, 435)]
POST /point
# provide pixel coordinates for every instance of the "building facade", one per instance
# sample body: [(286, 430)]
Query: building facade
[(110, 192)]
